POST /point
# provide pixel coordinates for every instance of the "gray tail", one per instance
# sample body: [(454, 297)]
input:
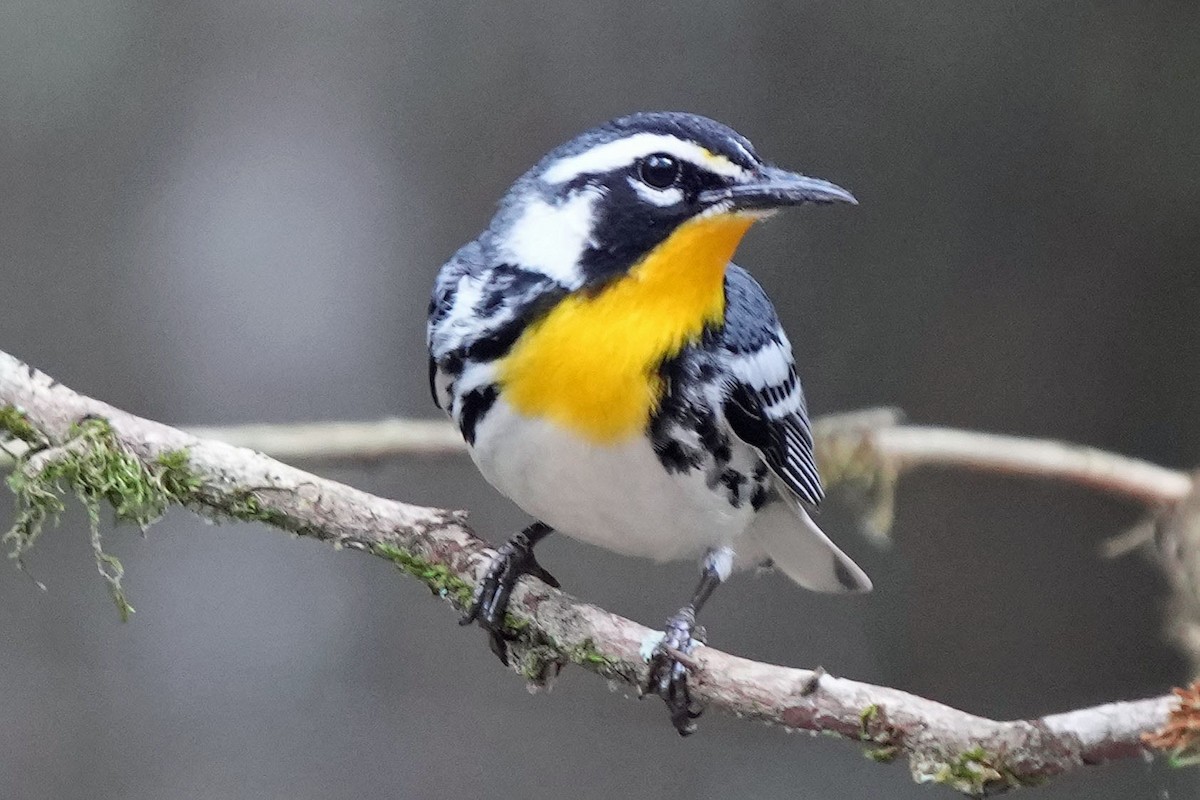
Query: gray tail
[(803, 552)]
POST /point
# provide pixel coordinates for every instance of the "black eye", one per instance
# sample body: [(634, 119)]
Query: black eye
[(659, 170)]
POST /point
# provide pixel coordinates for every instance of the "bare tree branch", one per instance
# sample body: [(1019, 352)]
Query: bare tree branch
[(908, 447), (157, 464), (342, 441), (901, 446)]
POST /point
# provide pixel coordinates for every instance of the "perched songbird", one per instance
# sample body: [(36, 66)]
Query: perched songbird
[(625, 384)]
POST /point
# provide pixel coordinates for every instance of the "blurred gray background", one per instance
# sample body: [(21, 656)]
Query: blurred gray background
[(223, 212)]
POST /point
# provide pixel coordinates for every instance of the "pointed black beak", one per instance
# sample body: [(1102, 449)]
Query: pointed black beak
[(775, 188)]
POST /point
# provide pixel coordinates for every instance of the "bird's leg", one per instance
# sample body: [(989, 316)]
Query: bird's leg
[(514, 559), (668, 672)]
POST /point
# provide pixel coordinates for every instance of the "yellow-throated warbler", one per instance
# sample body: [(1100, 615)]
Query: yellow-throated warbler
[(624, 383)]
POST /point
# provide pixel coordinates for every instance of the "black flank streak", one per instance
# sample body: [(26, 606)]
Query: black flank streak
[(475, 405), (675, 458), (712, 439), (760, 496), (733, 480), (675, 412)]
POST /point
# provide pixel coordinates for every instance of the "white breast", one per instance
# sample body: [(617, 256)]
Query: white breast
[(616, 496)]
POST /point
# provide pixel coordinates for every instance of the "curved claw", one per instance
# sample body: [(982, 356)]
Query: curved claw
[(490, 600), (669, 673)]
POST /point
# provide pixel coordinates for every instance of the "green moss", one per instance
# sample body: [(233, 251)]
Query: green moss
[(437, 577), (536, 663), (15, 423), (586, 653), (176, 474), (973, 772), (246, 506), (1183, 757), (542, 657), (538, 657), (865, 716), (883, 755), (540, 651), (96, 468), (875, 729)]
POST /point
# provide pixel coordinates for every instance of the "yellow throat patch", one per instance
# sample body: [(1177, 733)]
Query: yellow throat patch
[(591, 363)]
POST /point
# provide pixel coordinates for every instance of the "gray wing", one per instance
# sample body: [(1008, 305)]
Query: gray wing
[(765, 405)]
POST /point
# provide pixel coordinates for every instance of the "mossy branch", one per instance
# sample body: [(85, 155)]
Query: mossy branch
[(93, 465), (139, 468)]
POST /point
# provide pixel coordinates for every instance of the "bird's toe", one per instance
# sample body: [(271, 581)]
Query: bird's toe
[(670, 667), (489, 603)]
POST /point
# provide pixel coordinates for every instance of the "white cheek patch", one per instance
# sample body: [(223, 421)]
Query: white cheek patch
[(551, 237), (659, 197), (624, 152)]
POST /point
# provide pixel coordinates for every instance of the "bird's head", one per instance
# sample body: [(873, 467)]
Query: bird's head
[(596, 206)]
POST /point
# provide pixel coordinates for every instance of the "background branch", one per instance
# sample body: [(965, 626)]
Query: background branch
[(168, 465), (908, 447), (901, 447), (842, 439)]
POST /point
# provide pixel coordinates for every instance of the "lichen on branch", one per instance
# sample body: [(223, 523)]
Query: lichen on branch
[(974, 772)]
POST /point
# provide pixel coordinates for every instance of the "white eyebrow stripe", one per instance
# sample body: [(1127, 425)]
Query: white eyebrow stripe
[(624, 152)]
